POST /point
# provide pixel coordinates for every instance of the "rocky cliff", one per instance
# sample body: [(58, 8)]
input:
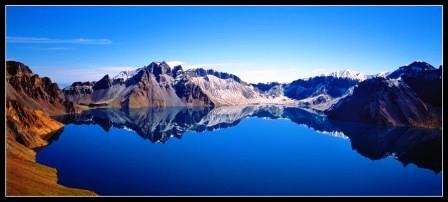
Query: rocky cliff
[(30, 100), (385, 101), (159, 85), (318, 93), (34, 91)]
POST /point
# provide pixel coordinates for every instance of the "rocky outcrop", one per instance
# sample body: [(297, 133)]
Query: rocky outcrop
[(413, 68), (424, 80), (103, 83), (192, 94), (28, 126), (158, 69), (264, 87), (225, 92), (200, 72), (153, 85), (37, 92), (150, 87), (409, 96), (272, 89), (30, 100), (347, 74), (383, 101), (332, 86), (318, 93), (79, 91)]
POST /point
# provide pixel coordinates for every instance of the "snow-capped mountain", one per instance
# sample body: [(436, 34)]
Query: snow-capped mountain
[(347, 74), (125, 75), (160, 85), (410, 96), (414, 67), (320, 92), (385, 102), (382, 74)]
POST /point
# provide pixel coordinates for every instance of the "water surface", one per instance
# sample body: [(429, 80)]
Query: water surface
[(249, 150)]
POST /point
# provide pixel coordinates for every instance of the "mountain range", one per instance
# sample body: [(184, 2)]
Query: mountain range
[(408, 96), (159, 85)]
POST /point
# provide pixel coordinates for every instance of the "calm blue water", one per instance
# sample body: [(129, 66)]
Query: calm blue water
[(239, 151)]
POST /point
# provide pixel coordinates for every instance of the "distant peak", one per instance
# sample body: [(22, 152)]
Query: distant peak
[(177, 67), (159, 63), (412, 68), (419, 65), (382, 74), (15, 68), (349, 74), (154, 63), (103, 83), (125, 75), (205, 72)]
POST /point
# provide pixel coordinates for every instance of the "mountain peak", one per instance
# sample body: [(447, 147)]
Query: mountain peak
[(125, 75), (158, 68), (103, 83), (414, 67), (419, 64), (15, 68), (204, 72), (163, 63), (349, 74), (177, 70)]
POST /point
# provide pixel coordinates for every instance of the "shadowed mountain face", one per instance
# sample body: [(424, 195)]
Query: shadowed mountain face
[(334, 87), (29, 100), (384, 102), (409, 145), (318, 93), (409, 96), (424, 79), (37, 92)]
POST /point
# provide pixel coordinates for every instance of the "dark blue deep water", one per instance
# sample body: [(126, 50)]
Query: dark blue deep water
[(240, 151)]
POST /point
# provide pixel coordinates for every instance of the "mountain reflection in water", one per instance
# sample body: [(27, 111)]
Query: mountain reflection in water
[(422, 147)]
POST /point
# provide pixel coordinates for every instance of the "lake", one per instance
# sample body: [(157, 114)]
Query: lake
[(239, 151)]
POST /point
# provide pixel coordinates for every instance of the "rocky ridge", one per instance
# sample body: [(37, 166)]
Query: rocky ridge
[(30, 100), (409, 96), (159, 85)]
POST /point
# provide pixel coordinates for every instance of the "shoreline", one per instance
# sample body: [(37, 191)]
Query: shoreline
[(27, 177)]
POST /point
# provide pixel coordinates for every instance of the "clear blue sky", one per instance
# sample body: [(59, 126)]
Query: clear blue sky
[(256, 43)]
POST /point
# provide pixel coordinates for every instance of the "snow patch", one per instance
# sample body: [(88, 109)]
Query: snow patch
[(125, 75), (393, 82), (348, 74)]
